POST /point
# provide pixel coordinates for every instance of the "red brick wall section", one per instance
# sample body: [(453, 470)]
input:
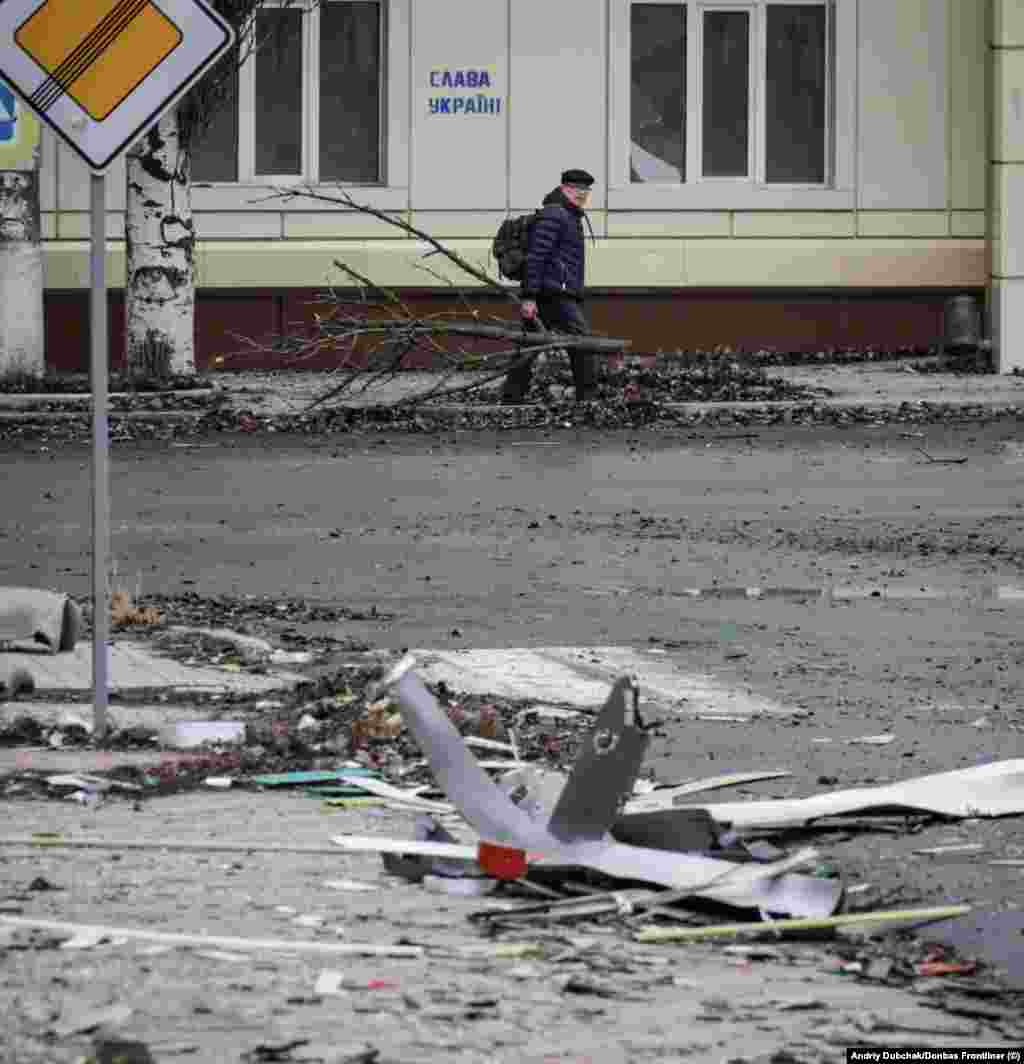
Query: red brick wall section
[(666, 321), (66, 331)]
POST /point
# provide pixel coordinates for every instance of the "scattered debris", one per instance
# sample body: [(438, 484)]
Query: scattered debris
[(329, 982), (186, 734), (940, 461), (872, 740), (123, 613), (118, 1051), (578, 832), (355, 949), (935, 851), (380, 721), (944, 967), (350, 885)]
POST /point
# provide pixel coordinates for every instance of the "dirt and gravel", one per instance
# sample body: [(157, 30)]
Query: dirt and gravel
[(888, 550)]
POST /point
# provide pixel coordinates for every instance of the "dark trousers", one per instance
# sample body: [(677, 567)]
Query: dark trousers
[(561, 315)]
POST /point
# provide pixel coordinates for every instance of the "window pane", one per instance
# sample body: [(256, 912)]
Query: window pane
[(279, 92), (215, 150), (350, 92), (658, 92), (726, 93), (795, 148)]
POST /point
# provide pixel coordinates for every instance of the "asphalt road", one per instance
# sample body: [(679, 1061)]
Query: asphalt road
[(565, 539)]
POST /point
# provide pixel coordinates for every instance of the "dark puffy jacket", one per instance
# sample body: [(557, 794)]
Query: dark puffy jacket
[(555, 259)]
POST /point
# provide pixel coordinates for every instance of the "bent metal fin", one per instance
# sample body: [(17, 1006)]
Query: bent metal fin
[(605, 770)]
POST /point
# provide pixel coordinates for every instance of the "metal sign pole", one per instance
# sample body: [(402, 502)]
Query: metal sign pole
[(100, 450)]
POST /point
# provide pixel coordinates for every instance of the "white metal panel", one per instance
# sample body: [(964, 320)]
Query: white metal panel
[(903, 139), (558, 113), (459, 153)]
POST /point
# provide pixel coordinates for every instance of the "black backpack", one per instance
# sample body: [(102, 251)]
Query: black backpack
[(512, 244)]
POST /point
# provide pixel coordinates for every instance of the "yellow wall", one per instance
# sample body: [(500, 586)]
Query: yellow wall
[(911, 211)]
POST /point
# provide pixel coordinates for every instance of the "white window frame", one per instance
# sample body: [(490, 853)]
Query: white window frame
[(730, 193), (392, 190), (695, 89)]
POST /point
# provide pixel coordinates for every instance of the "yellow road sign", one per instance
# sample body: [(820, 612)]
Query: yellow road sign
[(97, 53), (100, 72)]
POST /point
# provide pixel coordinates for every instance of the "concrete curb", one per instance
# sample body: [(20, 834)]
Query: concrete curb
[(1000, 407), (15, 401)]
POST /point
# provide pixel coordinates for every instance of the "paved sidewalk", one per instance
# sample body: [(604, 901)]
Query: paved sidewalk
[(877, 385), (130, 665), (873, 384)]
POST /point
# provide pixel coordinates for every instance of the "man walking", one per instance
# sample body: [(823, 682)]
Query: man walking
[(553, 281)]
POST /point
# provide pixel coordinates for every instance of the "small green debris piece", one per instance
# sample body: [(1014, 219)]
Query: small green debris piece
[(298, 779), (345, 791)]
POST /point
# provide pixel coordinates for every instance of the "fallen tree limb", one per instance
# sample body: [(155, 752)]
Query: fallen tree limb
[(571, 342)]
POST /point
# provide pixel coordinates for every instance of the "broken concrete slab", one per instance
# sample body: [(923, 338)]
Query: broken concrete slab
[(43, 618), (134, 666), (581, 676)]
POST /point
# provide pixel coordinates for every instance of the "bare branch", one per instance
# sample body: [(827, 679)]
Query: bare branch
[(343, 199), (380, 330)]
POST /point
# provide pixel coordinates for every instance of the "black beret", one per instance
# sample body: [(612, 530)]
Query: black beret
[(577, 177)]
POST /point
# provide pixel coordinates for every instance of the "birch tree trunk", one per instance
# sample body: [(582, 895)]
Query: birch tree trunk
[(22, 349), (160, 253)]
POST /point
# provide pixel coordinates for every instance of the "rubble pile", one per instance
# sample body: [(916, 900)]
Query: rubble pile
[(246, 612), (81, 384), (637, 391), (653, 379), (555, 416)]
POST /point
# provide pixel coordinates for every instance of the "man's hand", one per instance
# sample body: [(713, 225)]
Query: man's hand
[(528, 309)]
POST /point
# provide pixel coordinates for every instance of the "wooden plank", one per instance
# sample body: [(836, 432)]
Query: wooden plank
[(909, 917)]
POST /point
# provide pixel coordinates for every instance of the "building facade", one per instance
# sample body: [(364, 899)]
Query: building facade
[(799, 174)]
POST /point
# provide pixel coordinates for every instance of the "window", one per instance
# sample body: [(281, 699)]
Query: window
[(308, 106), (724, 91)]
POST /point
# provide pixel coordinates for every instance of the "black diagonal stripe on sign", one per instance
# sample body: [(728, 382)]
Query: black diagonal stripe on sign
[(77, 62), (87, 52)]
